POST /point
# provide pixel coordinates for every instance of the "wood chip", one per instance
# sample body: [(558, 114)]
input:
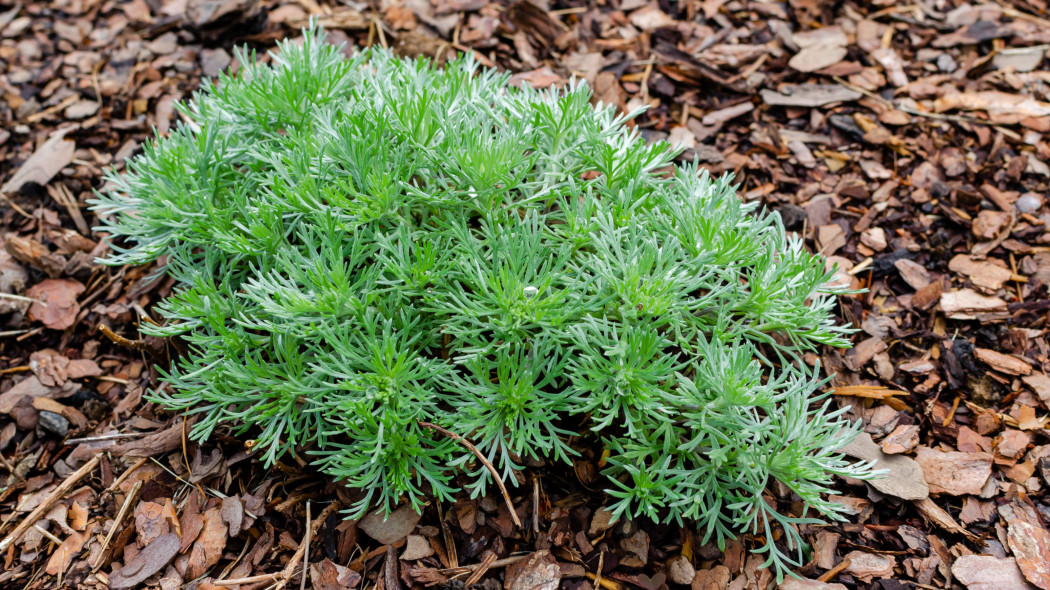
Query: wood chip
[(1029, 541), (1003, 363), (954, 473), (868, 566), (984, 572), (808, 95), (903, 439), (53, 155), (984, 274), (965, 304), (1040, 384)]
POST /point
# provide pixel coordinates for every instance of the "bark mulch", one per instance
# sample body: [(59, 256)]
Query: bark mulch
[(907, 142)]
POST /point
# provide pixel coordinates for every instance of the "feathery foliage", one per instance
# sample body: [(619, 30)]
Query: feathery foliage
[(369, 242)]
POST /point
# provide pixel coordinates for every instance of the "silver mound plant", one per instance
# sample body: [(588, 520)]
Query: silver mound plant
[(362, 244)]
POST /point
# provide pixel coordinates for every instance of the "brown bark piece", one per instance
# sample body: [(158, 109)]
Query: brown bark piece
[(953, 472)]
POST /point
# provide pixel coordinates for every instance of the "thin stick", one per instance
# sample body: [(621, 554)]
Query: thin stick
[(122, 341), (606, 582), (289, 570), (248, 580), (536, 505), (450, 543), (123, 476), (116, 523), (48, 502), (306, 555), (455, 571), (486, 462), (484, 566), (104, 437), (831, 573), (48, 534), (601, 566)]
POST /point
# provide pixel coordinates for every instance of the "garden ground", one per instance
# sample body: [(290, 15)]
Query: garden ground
[(906, 142)]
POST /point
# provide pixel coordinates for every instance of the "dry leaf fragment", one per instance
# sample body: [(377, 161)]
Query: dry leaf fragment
[(1011, 444), (727, 114), (157, 443), (831, 238), (904, 477), (416, 548), (53, 155), (863, 352), (1003, 363), (35, 254), (233, 514), (717, 578), (989, 224), (1027, 420), (953, 472), (55, 302), (30, 387), (204, 12), (78, 516), (938, 516)]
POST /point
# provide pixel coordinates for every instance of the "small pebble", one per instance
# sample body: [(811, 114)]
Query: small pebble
[(680, 571), (1029, 203), (54, 423), (946, 63)]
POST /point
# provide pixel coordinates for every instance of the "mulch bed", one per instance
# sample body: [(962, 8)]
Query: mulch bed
[(905, 142)]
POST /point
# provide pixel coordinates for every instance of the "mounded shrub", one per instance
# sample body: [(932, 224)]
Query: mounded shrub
[(362, 244)]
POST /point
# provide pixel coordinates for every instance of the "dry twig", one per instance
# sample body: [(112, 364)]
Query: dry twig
[(116, 523), (56, 495), (122, 341), (484, 461)]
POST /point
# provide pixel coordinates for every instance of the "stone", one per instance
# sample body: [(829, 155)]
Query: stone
[(538, 571), (680, 570), (54, 423)]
